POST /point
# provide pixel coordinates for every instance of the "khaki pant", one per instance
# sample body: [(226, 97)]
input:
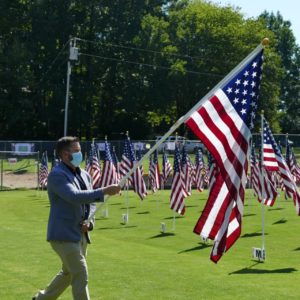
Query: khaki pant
[(74, 272)]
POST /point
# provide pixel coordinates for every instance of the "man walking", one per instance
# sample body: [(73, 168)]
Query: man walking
[(71, 203)]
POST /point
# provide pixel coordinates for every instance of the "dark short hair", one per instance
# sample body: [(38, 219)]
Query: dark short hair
[(65, 143)]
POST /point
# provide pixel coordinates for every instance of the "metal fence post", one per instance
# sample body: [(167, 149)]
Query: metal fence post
[(1, 174)]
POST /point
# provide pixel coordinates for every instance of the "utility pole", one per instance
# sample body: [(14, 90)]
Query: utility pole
[(73, 56)]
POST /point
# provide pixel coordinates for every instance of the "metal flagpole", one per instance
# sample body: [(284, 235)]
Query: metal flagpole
[(182, 119), (263, 193), (1, 174)]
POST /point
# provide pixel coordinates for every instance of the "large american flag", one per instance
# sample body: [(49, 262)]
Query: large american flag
[(128, 162), (271, 148), (154, 174), (109, 174), (223, 123), (43, 171), (166, 167), (200, 170), (178, 192), (270, 193), (93, 166)]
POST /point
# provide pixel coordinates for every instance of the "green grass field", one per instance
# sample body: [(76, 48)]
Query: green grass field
[(136, 261)]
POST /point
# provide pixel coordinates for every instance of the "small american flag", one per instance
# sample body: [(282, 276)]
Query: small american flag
[(128, 161), (154, 174), (292, 162), (109, 173), (138, 157), (166, 167), (43, 171), (116, 164), (223, 123), (178, 192), (212, 171), (270, 146), (270, 192), (187, 171), (200, 170), (297, 167), (93, 166)]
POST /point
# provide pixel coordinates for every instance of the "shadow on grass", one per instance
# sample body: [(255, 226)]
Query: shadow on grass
[(39, 200), (249, 215), (143, 213), (247, 235), (35, 195), (115, 204), (297, 249), (170, 218), (130, 207), (20, 172), (200, 247), (101, 219), (250, 270), (192, 206), (163, 234), (277, 208), (118, 227), (281, 221)]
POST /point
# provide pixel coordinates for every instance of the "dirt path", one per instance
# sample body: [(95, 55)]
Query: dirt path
[(26, 180)]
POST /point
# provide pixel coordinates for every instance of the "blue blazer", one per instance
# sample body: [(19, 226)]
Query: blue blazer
[(66, 199)]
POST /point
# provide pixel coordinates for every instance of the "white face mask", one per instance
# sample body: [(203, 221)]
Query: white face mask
[(76, 158)]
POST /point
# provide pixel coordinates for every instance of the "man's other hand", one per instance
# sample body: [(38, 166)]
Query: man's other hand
[(85, 227)]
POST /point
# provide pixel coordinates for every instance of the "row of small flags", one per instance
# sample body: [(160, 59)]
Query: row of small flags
[(197, 174), (113, 171), (277, 172), (186, 173), (222, 120)]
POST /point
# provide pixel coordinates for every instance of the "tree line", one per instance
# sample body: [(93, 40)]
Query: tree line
[(142, 64)]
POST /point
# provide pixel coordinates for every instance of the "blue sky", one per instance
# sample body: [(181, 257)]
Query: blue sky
[(289, 9)]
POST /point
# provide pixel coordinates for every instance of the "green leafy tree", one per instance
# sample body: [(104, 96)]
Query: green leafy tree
[(142, 64), (290, 62), (212, 40)]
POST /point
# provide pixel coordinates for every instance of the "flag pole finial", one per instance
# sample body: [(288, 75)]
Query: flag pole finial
[(262, 112), (105, 137), (265, 41)]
